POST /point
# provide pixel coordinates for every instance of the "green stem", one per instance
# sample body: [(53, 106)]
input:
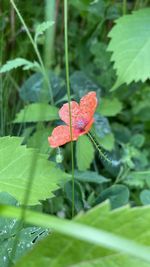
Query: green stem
[(50, 15), (124, 7), (68, 93), (1, 105), (98, 148), (35, 48), (1, 91)]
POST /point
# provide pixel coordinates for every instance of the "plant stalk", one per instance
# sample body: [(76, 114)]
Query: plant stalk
[(68, 93)]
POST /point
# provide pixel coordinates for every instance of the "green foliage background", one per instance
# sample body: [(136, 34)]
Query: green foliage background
[(109, 52)]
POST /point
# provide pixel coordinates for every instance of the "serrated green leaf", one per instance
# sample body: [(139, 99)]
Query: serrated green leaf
[(84, 153), (41, 28), (130, 223), (16, 163), (37, 112), (19, 62), (109, 107), (130, 44)]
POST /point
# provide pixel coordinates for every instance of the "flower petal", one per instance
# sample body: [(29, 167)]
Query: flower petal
[(88, 104), (61, 136), (64, 113)]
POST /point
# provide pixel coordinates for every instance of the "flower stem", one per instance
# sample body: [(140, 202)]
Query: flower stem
[(68, 93), (98, 148)]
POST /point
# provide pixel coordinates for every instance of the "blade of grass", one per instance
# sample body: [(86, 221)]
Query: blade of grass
[(68, 92)]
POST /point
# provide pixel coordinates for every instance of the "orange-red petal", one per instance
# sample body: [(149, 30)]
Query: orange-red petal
[(75, 112), (88, 104), (61, 136)]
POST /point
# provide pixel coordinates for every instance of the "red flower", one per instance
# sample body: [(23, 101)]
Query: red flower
[(82, 120)]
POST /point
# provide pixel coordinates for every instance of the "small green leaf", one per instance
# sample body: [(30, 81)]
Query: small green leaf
[(84, 153), (145, 197), (19, 62), (107, 142), (41, 28), (109, 107), (37, 112), (137, 140), (130, 44), (90, 177)]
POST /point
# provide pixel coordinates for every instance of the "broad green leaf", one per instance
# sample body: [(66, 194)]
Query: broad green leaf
[(37, 112), (111, 230), (19, 62), (28, 237), (8, 230), (19, 164), (41, 28), (32, 89), (109, 107), (8, 226), (84, 153), (117, 194), (145, 197), (90, 177), (130, 44)]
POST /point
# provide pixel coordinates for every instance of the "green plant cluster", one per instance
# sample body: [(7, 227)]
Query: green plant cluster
[(109, 53)]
